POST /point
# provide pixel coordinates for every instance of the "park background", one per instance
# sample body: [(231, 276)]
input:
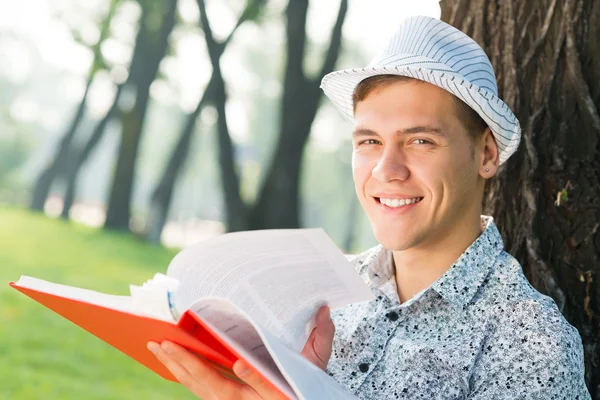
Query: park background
[(133, 128)]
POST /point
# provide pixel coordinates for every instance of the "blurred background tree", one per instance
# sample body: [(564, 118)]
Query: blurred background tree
[(163, 193), (58, 163), (155, 26), (278, 201), (109, 166)]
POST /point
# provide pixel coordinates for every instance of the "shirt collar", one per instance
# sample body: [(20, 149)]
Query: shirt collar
[(461, 281)]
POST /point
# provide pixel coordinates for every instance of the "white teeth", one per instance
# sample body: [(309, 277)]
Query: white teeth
[(395, 203)]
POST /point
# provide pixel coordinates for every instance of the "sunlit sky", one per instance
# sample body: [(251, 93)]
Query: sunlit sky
[(28, 27)]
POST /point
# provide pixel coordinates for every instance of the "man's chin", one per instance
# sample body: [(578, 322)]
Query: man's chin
[(394, 241)]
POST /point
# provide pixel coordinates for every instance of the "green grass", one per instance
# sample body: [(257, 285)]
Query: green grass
[(42, 355)]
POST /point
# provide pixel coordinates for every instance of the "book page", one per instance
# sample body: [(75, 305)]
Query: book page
[(153, 297), (234, 328), (307, 380), (121, 303), (152, 302), (288, 370), (280, 278)]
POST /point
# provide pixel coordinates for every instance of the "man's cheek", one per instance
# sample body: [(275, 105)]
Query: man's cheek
[(361, 167), (361, 178)]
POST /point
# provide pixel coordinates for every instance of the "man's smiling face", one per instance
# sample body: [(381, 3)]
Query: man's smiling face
[(410, 145)]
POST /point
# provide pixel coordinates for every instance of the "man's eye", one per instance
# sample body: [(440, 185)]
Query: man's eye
[(369, 141), (422, 141)]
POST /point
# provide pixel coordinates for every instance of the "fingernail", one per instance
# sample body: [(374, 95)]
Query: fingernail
[(167, 347), (324, 316), (153, 347), (241, 369)]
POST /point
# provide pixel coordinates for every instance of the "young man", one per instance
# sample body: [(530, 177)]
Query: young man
[(454, 316)]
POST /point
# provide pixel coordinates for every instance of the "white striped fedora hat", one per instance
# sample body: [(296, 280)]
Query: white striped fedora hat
[(430, 50)]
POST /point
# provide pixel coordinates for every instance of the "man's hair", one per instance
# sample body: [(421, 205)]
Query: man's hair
[(474, 124)]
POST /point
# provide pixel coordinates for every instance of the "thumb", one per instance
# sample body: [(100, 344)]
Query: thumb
[(318, 347)]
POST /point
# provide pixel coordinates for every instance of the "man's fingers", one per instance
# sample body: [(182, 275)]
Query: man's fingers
[(318, 347), (196, 375), (195, 366), (325, 331), (179, 372), (324, 316), (205, 382), (255, 382)]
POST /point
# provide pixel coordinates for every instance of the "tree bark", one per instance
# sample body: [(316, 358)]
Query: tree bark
[(82, 156), (545, 200), (278, 201), (58, 164), (153, 48)]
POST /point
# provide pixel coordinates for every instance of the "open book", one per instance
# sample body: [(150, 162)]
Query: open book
[(245, 295)]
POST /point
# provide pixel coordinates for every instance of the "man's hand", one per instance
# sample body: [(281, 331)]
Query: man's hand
[(318, 346), (205, 382)]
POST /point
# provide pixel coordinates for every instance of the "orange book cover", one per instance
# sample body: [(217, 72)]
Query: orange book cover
[(130, 333)]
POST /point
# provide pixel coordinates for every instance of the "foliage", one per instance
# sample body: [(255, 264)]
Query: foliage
[(14, 151), (45, 356)]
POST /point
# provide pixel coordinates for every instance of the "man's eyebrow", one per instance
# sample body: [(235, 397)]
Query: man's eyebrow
[(422, 129), (415, 129), (363, 132)]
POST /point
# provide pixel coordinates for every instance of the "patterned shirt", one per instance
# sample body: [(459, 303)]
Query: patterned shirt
[(481, 331)]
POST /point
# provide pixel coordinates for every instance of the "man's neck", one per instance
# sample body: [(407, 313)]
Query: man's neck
[(417, 268)]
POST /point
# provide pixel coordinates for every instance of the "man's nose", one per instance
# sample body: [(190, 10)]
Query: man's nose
[(391, 166)]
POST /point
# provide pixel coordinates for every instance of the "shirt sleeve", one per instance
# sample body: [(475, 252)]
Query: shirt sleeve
[(531, 353)]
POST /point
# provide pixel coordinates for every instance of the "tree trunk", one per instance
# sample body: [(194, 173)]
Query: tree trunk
[(58, 165), (235, 208), (277, 206), (82, 156), (278, 202), (162, 195), (236, 219), (154, 46), (136, 72), (546, 199)]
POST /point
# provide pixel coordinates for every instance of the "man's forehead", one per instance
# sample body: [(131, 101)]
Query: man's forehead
[(423, 103)]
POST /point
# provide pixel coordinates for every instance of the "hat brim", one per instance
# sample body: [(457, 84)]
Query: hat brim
[(339, 86)]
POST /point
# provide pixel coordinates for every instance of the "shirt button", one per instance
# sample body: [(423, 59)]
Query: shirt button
[(393, 316), (363, 367)]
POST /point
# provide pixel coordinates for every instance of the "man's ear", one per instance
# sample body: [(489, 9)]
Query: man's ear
[(488, 154)]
